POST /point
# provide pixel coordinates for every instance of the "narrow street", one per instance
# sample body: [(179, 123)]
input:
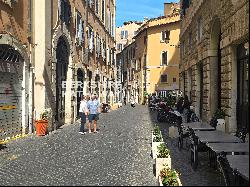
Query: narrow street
[(118, 155)]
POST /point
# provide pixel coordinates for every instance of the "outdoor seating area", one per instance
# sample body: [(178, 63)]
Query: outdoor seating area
[(228, 153)]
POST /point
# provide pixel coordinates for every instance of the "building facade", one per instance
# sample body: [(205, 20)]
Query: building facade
[(66, 49), (214, 58), (125, 34), (151, 61)]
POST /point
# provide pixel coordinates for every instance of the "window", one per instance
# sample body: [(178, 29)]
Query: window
[(199, 29), (65, 11), (139, 63), (164, 78), (134, 52), (97, 6), (165, 36), (104, 49), (174, 79), (122, 34), (119, 47), (79, 29), (91, 39), (98, 45), (103, 10), (164, 58), (126, 34)]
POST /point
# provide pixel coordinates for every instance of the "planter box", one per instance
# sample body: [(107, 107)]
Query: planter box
[(154, 148), (159, 164), (160, 181), (221, 125), (41, 127), (152, 139)]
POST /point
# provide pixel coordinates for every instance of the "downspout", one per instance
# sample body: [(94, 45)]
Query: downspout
[(31, 68)]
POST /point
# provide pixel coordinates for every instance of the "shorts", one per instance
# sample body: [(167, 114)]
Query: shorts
[(94, 117)]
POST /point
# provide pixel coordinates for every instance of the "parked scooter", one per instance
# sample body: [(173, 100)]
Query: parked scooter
[(169, 115), (191, 116)]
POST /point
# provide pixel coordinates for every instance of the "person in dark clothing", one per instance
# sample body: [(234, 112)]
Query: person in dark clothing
[(186, 108), (124, 100), (187, 103), (179, 105)]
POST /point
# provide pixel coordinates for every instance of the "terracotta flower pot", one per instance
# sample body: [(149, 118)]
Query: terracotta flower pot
[(41, 127)]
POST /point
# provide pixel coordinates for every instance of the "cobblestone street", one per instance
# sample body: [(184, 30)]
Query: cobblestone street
[(118, 155)]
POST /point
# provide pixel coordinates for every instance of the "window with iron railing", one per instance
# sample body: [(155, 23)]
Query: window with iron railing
[(79, 29), (91, 39)]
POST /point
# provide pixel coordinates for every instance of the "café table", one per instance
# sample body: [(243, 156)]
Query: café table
[(216, 137), (240, 163), (205, 137), (229, 148)]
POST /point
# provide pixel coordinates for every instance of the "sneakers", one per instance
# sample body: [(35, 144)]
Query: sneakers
[(82, 133)]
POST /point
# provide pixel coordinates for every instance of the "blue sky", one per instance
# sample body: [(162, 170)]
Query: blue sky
[(136, 10)]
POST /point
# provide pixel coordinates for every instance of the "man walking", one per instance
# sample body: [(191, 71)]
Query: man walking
[(83, 113), (94, 110)]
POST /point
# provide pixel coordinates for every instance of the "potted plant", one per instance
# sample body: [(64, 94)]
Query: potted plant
[(42, 124), (218, 120), (163, 158), (169, 177), (156, 140)]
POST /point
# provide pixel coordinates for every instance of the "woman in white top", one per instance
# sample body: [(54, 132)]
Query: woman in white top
[(84, 112)]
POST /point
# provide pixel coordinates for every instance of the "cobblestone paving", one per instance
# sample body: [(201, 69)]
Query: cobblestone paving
[(118, 155)]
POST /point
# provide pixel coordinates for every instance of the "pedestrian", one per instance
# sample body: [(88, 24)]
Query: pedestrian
[(94, 111), (124, 100), (186, 108), (83, 113), (179, 105), (132, 101)]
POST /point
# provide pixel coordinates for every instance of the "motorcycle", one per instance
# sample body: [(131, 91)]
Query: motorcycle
[(169, 115), (191, 116)]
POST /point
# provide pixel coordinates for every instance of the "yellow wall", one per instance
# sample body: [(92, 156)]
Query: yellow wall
[(154, 51)]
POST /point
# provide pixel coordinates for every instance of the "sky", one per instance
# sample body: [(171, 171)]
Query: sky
[(136, 10)]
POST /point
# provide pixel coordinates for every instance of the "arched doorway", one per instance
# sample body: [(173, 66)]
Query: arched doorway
[(11, 91), (62, 56), (80, 80), (215, 66)]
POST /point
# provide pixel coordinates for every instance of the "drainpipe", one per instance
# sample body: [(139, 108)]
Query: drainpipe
[(31, 68)]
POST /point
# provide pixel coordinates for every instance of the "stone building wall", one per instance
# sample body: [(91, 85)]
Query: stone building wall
[(234, 25)]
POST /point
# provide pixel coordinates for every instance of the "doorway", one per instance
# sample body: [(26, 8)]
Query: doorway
[(80, 80), (62, 56), (215, 67), (242, 87)]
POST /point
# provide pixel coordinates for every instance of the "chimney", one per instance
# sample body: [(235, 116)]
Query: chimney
[(145, 19), (169, 8)]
